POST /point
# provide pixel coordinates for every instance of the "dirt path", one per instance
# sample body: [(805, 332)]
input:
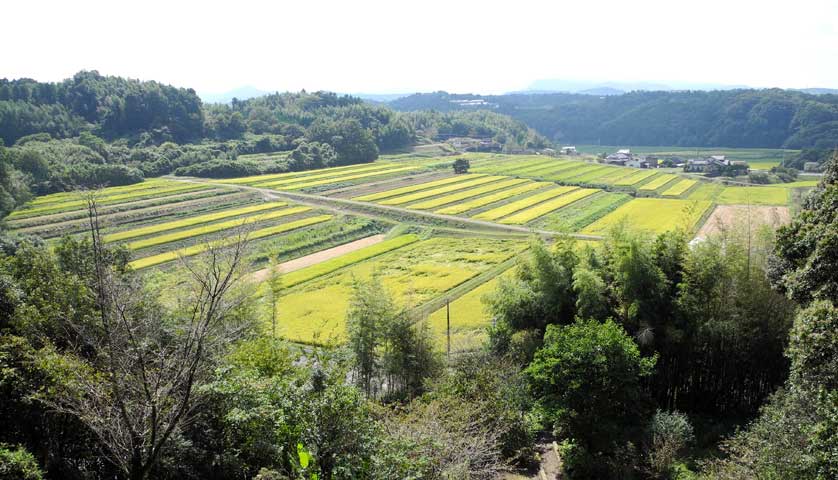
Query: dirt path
[(343, 205), (317, 257)]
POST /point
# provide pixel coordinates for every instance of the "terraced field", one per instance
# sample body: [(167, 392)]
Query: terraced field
[(493, 198), (679, 188), (415, 274), (466, 194), (530, 214), (658, 182), (581, 213), (469, 319), (652, 215), (754, 196), (427, 193), (528, 201)]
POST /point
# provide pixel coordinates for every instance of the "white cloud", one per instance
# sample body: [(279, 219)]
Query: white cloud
[(463, 46)]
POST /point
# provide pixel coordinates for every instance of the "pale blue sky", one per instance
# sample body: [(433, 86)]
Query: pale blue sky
[(392, 46)]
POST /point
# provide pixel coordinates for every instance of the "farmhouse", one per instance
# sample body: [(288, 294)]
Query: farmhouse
[(622, 157), (714, 164), (569, 150)]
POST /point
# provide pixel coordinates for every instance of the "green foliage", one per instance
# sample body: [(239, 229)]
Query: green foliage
[(311, 155), (734, 118), (587, 380), (18, 464), (461, 165), (668, 434)]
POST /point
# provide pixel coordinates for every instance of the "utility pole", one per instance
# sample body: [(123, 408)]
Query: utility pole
[(448, 328)]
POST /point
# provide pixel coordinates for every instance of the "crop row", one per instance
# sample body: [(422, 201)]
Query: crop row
[(525, 216), (654, 215), (635, 178), (413, 188), (277, 176), (462, 195), (658, 182), (315, 311), (328, 174), (679, 188), (74, 195), (584, 213), (190, 221), (215, 227), (489, 199), (105, 200), (202, 247), (422, 194), (308, 184), (523, 203)]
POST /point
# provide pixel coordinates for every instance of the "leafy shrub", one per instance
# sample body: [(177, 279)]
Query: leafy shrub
[(668, 433), (18, 464), (220, 168)]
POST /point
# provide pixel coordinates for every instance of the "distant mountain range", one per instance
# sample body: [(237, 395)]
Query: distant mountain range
[(582, 87), (246, 92)]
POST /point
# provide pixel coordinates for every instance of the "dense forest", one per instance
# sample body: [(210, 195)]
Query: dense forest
[(730, 118), (94, 130)]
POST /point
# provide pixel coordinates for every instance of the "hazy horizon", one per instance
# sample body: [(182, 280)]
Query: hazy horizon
[(464, 47)]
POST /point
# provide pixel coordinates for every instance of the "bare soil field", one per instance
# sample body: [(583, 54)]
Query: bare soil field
[(726, 217)]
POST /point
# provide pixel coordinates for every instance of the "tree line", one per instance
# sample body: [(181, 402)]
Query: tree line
[(770, 118)]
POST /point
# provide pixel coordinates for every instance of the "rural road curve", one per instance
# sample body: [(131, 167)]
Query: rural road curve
[(354, 206)]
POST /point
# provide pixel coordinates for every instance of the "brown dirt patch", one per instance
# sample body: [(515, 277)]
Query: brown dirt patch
[(317, 257), (729, 217)]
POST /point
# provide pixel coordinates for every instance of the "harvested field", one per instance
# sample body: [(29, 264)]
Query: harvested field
[(727, 217)]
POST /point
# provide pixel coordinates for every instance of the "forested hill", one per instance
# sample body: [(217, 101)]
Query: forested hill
[(733, 118), (92, 130)]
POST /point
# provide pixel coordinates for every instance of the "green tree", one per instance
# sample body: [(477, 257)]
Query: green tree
[(371, 311), (587, 380)]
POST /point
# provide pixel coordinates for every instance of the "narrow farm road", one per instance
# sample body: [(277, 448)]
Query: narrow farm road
[(317, 257), (343, 205)]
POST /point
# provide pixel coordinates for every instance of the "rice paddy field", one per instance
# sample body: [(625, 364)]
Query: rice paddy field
[(163, 220), (414, 274), (469, 319), (160, 221), (652, 215)]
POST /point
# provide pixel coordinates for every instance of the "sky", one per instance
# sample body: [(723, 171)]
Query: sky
[(367, 46)]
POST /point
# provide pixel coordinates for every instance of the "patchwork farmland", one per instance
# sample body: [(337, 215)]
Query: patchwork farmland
[(287, 216)]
